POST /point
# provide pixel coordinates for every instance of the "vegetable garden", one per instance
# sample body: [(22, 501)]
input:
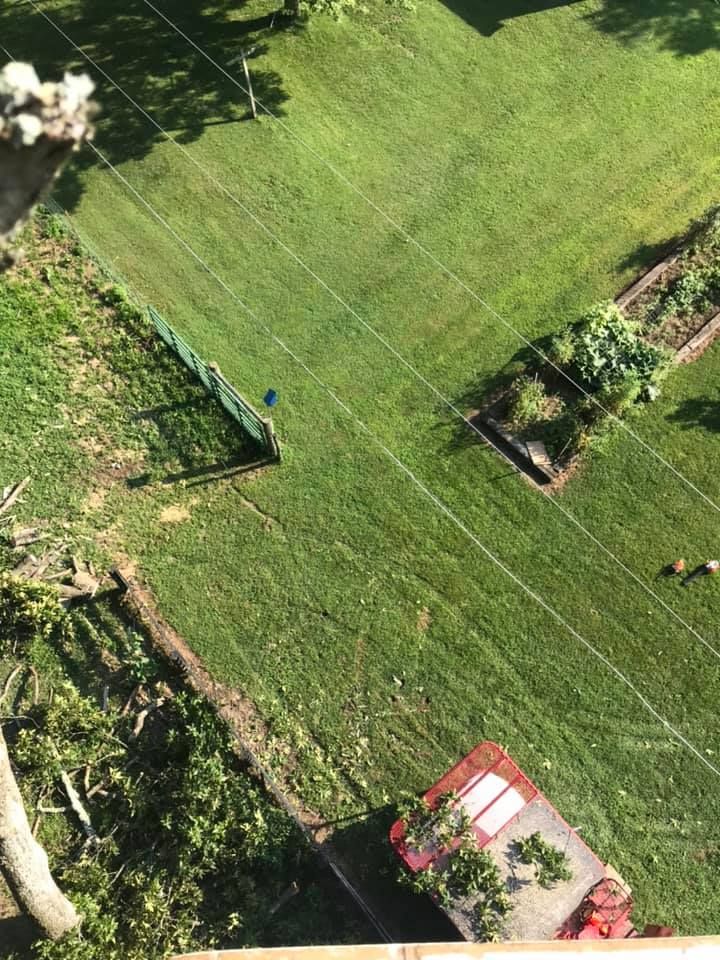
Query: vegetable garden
[(570, 389)]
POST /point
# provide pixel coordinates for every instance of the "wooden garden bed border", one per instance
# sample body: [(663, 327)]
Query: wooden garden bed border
[(642, 283), (697, 345), (700, 341)]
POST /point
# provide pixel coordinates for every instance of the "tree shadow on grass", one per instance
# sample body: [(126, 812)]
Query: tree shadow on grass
[(685, 27), (489, 16), (646, 255), (178, 86), (364, 846), (160, 411), (696, 412)]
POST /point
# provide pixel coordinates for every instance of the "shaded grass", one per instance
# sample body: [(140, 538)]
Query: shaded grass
[(532, 160)]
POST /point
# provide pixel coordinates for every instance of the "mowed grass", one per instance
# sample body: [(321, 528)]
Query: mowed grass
[(546, 163)]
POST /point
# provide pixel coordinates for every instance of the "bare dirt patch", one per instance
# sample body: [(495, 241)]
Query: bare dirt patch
[(174, 514), (424, 620), (267, 520)]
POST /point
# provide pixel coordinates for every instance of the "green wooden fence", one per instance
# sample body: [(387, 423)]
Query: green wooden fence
[(258, 427)]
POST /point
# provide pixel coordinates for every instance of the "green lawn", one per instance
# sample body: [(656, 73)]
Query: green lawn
[(546, 162)]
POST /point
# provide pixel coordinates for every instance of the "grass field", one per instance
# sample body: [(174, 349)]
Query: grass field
[(546, 161)]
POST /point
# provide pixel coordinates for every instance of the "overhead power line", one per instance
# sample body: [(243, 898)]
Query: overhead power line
[(437, 262), (331, 292), (408, 473)]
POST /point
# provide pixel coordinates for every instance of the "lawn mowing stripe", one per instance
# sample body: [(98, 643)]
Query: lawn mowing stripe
[(421, 486), (440, 265), (388, 346)]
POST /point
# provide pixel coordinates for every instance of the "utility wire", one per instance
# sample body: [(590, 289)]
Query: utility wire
[(675, 733), (445, 400), (432, 497), (437, 262)]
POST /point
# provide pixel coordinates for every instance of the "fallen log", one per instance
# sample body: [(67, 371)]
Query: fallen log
[(68, 592), (48, 559), (85, 583)]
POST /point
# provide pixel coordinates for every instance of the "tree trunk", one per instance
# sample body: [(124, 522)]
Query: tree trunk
[(24, 863), (40, 126)]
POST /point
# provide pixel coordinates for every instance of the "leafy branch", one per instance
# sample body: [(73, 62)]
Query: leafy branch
[(551, 864)]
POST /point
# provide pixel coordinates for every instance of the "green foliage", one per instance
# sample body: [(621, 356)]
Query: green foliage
[(441, 825), (140, 667), (688, 294), (192, 849), (465, 870), (306, 8), (707, 236), (527, 402), (28, 609), (551, 865), (53, 226), (69, 731), (618, 397), (608, 350), (562, 348), (562, 434)]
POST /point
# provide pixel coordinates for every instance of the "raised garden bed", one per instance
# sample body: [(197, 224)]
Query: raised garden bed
[(545, 446), (676, 304), (617, 354)]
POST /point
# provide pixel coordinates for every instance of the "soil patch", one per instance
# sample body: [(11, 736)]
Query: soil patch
[(424, 620), (174, 514)]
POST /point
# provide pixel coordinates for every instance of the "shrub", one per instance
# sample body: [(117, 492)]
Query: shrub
[(608, 349), (29, 609), (562, 349), (617, 397), (562, 434), (527, 402)]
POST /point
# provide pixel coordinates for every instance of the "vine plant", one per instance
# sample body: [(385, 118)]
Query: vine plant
[(551, 864), (463, 870)]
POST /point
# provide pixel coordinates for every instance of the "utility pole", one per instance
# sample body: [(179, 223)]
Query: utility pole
[(244, 54)]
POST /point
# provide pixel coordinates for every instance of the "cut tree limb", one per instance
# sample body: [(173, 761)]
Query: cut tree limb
[(9, 683), (11, 498), (79, 810), (142, 717), (25, 537), (288, 894)]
